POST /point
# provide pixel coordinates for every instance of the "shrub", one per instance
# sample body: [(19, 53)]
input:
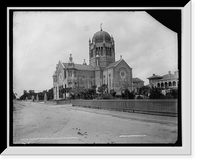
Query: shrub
[(127, 94), (139, 97), (174, 93), (155, 93)]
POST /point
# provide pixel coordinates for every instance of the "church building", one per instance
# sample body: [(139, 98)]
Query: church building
[(102, 69)]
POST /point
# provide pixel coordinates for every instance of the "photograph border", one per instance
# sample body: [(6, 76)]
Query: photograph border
[(110, 147)]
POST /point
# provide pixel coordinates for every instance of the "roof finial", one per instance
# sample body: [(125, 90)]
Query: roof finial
[(101, 26), (120, 56), (70, 58)]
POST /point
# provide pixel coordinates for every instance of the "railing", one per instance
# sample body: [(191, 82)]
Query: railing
[(158, 107)]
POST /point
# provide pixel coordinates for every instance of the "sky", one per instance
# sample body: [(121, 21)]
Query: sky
[(41, 39)]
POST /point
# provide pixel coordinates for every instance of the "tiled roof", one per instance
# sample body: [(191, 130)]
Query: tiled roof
[(112, 64), (80, 67), (84, 67), (66, 65), (155, 77), (136, 79)]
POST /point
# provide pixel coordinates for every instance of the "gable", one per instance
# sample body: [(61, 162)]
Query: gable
[(111, 65), (60, 66), (122, 63)]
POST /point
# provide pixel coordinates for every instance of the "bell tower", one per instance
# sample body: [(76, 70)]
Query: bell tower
[(102, 46)]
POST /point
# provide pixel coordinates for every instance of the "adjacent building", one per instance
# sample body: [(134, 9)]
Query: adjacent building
[(137, 83), (102, 69), (166, 81)]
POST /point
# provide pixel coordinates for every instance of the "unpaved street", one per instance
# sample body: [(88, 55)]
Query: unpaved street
[(36, 122)]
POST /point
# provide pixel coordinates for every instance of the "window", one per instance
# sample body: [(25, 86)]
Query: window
[(74, 73), (110, 81), (70, 73), (158, 85), (64, 73)]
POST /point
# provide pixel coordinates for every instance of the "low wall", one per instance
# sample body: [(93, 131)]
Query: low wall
[(158, 107), (63, 102)]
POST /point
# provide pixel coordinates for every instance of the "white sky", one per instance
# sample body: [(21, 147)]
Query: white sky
[(41, 39)]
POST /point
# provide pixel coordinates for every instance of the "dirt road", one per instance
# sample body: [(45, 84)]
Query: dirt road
[(35, 122)]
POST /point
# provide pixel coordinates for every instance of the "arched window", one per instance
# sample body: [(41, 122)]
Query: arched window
[(165, 84), (174, 83), (170, 84), (109, 81), (158, 85), (162, 85)]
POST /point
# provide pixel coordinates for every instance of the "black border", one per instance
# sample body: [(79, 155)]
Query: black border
[(169, 17)]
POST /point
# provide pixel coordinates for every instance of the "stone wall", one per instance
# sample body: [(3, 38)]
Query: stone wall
[(86, 77), (108, 75), (117, 78)]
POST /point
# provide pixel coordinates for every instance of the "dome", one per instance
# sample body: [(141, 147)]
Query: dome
[(169, 76), (98, 36)]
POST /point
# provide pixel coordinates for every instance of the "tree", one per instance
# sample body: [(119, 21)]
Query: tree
[(174, 93), (50, 94), (102, 89), (25, 94), (144, 90), (155, 93), (112, 92), (126, 94)]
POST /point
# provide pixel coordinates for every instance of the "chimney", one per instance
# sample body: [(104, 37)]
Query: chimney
[(176, 73), (153, 74), (169, 72)]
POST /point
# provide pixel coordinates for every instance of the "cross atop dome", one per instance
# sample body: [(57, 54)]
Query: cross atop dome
[(70, 58), (101, 27)]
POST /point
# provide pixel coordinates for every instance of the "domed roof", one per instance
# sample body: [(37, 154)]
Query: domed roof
[(169, 76), (98, 36)]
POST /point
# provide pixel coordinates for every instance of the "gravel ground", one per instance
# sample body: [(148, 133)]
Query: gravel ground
[(37, 122)]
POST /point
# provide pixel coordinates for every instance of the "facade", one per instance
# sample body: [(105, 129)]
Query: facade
[(166, 81), (102, 69), (137, 84)]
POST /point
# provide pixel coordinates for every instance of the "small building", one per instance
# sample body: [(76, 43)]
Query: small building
[(166, 81), (137, 83)]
